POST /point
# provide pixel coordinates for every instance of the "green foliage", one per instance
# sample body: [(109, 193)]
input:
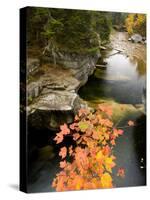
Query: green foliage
[(68, 29), (36, 19), (118, 18), (102, 25)]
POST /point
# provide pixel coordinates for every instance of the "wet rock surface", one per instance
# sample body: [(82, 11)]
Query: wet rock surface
[(136, 38)]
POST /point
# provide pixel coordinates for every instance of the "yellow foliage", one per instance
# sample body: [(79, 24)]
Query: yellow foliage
[(136, 23), (99, 155), (109, 164), (106, 180)]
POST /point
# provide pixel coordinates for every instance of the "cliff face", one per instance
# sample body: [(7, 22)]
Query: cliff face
[(81, 66), (52, 90)]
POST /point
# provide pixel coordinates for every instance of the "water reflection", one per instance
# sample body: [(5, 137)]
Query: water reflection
[(141, 68), (121, 67), (123, 81)]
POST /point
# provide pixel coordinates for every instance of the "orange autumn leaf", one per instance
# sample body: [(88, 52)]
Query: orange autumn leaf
[(63, 164), (79, 183), (106, 122), (76, 136), (130, 123), (73, 126), (120, 132), (90, 157), (95, 135), (113, 142), (82, 112), (101, 138), (101, 107), (106, 150), (121, 172), (104, 142), (88, 132), (81, 157), (106, 109), (70, 150), (76, 118), (117, 132), (63, 152), (100, 155), (106, 136), (59, 138), (54, 184), (109, 163), (64, 129)]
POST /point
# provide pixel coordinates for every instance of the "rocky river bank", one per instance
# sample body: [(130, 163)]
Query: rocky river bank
[(52, 88)]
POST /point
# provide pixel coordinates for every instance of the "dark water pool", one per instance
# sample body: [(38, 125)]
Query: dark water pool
[(123, 81)]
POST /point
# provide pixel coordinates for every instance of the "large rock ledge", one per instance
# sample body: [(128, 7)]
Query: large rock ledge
[(54, 109), (81, 66), (52, 91)]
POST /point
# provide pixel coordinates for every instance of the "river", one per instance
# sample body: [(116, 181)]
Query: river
[(122, 83)]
